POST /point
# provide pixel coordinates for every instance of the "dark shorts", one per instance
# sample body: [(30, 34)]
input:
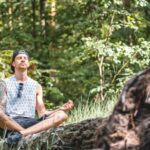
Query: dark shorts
[(25, 122)]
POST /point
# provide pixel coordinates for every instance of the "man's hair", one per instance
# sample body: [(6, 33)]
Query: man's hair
[(15, 53)]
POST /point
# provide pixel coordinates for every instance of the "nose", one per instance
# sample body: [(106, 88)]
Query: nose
[(22, 60)]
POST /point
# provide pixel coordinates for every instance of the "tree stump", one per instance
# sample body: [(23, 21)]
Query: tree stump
[(128, 127)]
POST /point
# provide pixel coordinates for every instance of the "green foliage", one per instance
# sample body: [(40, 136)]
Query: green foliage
[(5, 63), (94, 48), (109, 43), (116, 61)]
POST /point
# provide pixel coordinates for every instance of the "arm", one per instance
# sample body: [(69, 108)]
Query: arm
[(40, 107), (5, 121)]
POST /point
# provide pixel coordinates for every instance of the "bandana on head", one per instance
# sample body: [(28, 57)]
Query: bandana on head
[(17, 52)]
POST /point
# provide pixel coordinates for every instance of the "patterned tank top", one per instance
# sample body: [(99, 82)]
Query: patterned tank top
[(21, 100)]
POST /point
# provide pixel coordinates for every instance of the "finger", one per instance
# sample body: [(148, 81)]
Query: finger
[(70, 101)]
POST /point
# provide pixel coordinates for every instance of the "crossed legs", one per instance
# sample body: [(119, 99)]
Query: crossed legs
[(53, 120), (8, 123)]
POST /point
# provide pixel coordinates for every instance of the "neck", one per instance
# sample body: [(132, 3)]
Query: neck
[(21, 76)]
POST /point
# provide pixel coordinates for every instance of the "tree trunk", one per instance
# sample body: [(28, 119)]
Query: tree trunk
[(147, 14), (34, 22), (21, 9), (1, 18), (10, 11), (53, 14), (42, 18)]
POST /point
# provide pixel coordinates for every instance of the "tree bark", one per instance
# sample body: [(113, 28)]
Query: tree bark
[(1, 18), (21, 9), (34, 22)]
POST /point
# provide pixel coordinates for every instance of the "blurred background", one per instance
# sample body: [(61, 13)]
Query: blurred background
[(84, 50)]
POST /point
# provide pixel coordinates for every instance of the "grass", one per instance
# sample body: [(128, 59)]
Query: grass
[(90, 109)]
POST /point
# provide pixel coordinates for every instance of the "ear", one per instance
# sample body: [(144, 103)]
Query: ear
[(13, 64)]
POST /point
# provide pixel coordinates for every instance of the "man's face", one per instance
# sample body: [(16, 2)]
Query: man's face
[(21, 62)]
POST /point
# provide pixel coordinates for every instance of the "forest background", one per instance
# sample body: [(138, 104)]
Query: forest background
[(84, 50)]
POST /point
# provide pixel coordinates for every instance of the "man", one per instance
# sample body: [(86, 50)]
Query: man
[(21, 97)]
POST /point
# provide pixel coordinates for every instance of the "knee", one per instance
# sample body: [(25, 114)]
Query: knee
[(62, 116)]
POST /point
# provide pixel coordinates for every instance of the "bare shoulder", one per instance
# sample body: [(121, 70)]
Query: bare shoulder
[(39, 89)]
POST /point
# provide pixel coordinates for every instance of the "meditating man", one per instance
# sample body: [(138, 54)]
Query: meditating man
[(21, 98)]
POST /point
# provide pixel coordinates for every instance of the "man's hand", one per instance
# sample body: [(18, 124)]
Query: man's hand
[(67, 106)]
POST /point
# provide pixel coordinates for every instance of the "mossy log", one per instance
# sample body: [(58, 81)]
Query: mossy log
[(77, 136)]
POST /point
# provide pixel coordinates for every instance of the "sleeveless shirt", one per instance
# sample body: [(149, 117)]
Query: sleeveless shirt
[(25, 104)]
